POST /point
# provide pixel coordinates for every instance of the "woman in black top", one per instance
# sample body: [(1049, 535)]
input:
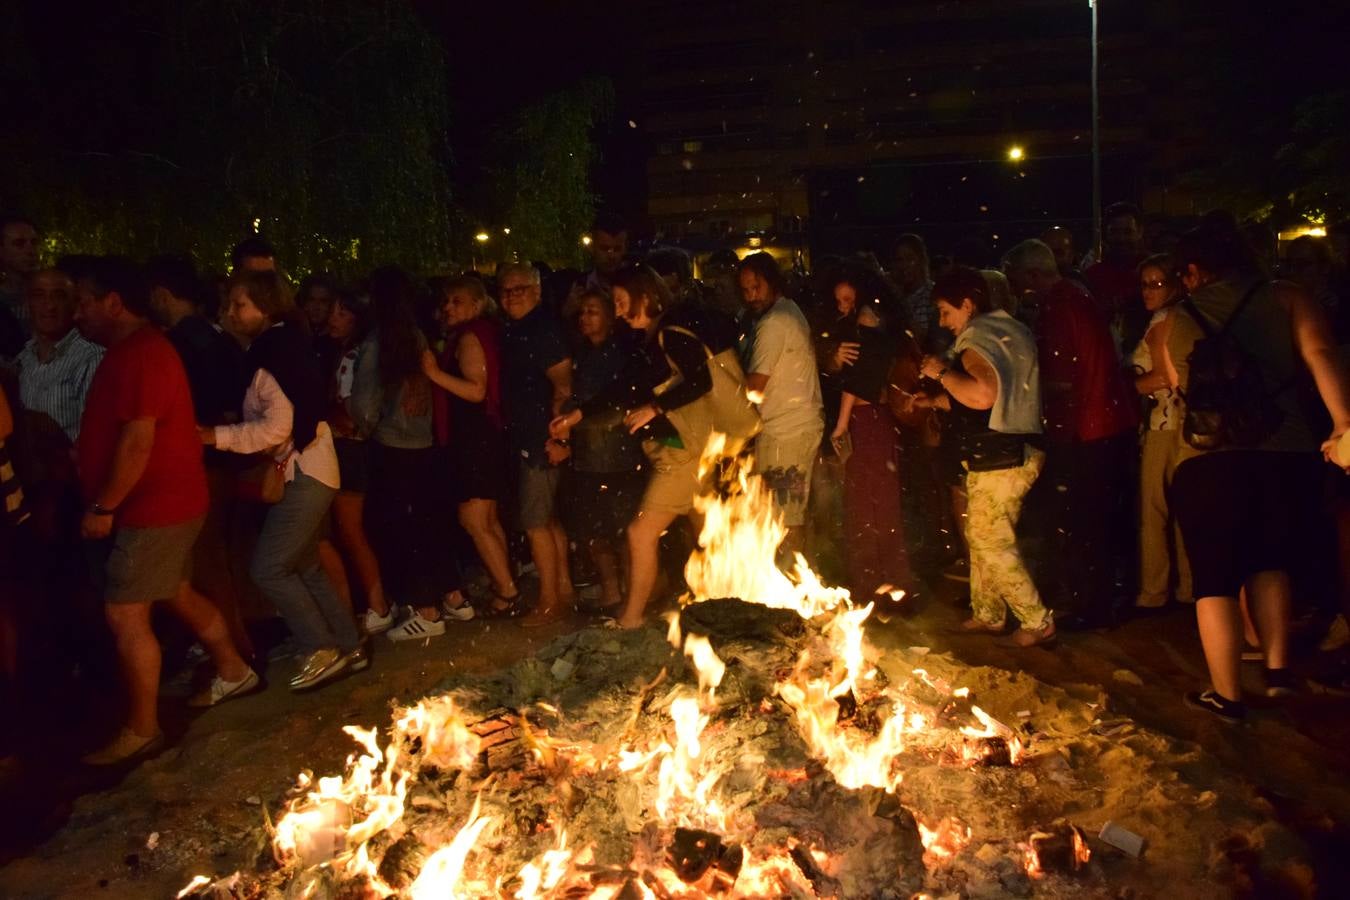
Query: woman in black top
[(602, 488), (666, 400), (867, 437)]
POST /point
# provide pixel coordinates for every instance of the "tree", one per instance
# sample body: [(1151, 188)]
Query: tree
[(321, 123), (541, 157)]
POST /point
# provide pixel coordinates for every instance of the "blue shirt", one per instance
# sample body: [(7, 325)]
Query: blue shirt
[(531, 345), (58, 386)]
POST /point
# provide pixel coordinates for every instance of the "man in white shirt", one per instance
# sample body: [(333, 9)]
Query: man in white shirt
[(57, 363), (780, 363)]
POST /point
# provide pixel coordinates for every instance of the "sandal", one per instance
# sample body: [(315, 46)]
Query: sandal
[(513, 607)]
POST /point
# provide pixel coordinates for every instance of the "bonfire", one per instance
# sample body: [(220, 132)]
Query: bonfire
[(752, 748)]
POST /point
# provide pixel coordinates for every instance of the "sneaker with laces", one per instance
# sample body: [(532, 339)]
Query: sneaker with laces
[(1230, 711), (416, 628), (220, 690), (374, 623), (128, 745), (462, 613), (1281, 683)]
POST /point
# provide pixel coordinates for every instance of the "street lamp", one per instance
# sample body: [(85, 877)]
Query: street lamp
[(481, 237), (1016, 153), (585, 240)]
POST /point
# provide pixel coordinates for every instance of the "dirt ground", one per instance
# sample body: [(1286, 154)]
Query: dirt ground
[(196, 808)]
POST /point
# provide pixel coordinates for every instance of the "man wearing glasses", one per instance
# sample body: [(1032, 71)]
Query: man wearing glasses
[(536, 381)]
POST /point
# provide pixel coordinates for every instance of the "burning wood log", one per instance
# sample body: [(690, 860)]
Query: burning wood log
[(1059, 848)]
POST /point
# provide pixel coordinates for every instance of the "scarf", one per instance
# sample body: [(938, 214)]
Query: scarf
[(284, 350), (1007, 345)]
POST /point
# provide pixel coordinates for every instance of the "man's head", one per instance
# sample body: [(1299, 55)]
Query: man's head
[(761, 282), (674, 267), (253, 255), (315, 297), (18, 246), (111, 298), (1031, 268), (909, 262), (1060, 241), (609, 243), (1123, 232), (1211, 252), (175, 290), (51, 303), (960, 295), (1309, 262), (519, 289)]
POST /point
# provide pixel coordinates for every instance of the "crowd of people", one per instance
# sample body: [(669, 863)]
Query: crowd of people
[(1079, 440)]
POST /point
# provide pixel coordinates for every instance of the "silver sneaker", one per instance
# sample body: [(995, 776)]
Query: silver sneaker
[(359, 659), (318, 667)]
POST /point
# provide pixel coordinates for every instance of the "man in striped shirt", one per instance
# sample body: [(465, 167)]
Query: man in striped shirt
[(57, 363)]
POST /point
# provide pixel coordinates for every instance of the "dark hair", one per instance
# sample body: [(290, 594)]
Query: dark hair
[(117, 274), (251, 248), (609, 222), (355, 304), (316, 280), (962, 283), (271, 293), (177, 275), (722, 259), (1163, 262), (645, 289), (1320, 247), (912, 242), (869, 287), (1123, 208), (393, 303), (766, 267), (1215, 249), (671, 261), (75, 265), (602, 297), (10, 218)]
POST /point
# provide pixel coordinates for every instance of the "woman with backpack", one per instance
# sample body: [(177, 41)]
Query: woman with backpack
[(670, 402), (1249, 459)]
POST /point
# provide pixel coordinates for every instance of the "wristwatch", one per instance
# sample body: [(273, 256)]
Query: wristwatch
[(945, 370), (96, 509)]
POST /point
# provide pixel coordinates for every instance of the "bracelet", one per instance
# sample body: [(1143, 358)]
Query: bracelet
[(945, 370), (97, 509)]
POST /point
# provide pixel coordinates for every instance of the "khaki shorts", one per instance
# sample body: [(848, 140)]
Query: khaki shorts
[(538, 495), (148, 564), (785, 463), (674, 481)]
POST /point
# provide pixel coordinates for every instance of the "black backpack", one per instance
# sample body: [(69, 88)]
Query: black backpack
[(1227, 402)]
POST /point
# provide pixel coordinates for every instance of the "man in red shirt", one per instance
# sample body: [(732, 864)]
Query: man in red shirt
[(1090, 418), (140, 467), (1114, 281)]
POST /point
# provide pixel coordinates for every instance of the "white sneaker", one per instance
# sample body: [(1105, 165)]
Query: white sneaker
[(462, 613), (415, 628), (221, 690), (374, 623)]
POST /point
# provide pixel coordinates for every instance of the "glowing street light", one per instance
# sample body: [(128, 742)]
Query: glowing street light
[(585, 240), (481, 237), (1016, 153)]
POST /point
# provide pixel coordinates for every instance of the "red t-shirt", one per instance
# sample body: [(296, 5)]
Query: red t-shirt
[(1114, 286), (1076, 350), (143, 377)]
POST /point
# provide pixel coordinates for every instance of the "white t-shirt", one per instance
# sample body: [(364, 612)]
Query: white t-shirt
[(781, 348)]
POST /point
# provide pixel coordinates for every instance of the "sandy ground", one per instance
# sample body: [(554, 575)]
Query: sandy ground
[(197, 808)]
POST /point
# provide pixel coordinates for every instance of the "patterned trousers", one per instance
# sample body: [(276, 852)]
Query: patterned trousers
[(999, 580)]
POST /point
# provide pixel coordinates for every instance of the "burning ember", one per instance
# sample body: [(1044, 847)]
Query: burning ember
[(774, 771)]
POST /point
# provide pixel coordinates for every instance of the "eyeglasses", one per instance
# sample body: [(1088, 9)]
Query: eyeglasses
[(516, 289)]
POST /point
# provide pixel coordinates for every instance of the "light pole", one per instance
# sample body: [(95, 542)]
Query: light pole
[(1096, 146)]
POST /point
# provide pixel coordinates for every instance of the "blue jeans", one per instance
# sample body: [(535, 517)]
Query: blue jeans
[(286, 569)]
